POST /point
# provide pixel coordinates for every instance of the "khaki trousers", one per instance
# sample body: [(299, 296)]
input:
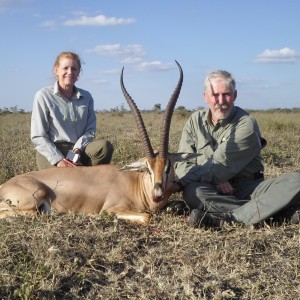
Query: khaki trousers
[(96, 153), (254, 201)]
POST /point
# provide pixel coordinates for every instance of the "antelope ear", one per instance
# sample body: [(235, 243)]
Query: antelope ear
[(135, 166), (182, 156)]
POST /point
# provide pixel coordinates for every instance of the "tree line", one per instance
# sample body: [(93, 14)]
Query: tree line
[(156, 108)]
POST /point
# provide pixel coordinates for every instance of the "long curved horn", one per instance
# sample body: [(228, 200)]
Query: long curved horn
[(164, 139), (138, 119)]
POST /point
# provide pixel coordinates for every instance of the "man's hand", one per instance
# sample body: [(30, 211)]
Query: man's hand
[(225, 188), (173, 187)]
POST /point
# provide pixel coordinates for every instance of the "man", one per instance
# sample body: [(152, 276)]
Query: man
[(226, 182)]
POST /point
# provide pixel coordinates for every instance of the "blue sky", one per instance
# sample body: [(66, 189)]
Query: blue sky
[(257, 41)]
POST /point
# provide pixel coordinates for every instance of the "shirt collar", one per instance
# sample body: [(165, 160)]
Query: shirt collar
[(77, 93), (229, 118)]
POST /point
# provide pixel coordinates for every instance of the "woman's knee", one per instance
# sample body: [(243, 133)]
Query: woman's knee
[(42, 162), (100, 152)]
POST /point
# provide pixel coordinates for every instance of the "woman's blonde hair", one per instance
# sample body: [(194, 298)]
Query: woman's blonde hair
[(70, 55)]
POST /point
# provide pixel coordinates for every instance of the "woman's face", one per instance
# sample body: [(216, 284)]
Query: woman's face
[(67, 72)]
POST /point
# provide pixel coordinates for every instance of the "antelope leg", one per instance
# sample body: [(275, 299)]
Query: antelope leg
[(23, 195), (130, 215)]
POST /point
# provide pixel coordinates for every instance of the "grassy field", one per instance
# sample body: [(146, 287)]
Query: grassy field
[(84, 257)]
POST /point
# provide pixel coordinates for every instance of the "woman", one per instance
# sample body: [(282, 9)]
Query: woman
[(63, 121)]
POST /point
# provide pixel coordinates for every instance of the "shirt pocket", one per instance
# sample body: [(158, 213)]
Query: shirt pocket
[(204, 147), (82, 111), (202, 143)]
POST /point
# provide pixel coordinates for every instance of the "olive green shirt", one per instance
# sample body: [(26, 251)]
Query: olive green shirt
[(229, 149)]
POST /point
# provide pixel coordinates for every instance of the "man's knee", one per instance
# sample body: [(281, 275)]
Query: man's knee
[(295, 176), (191, 195)]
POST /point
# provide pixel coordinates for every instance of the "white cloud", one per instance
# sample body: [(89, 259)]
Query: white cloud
[(284, 55), (99, 20), (252, 86), (4, 4), (112, 72), (102, 82), (131, 54), (127, 53), (49, 24), (155, 66)]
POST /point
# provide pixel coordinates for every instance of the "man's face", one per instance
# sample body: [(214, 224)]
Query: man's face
[(220, 98)]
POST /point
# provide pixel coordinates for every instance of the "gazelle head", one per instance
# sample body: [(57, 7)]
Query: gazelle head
[(159, 164)]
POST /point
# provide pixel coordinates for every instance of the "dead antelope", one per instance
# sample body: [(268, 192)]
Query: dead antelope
[(100, 188)]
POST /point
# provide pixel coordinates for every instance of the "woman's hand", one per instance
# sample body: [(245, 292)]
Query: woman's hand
[(62, 164)]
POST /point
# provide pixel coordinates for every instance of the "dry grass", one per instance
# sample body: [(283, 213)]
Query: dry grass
[(83, 257)]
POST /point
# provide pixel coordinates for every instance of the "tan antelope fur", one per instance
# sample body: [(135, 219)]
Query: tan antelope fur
[(126, 193)]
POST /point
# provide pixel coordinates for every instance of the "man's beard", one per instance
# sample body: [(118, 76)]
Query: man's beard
[(223, 109)]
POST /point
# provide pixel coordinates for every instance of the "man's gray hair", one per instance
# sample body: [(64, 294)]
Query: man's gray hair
[(219, 75)]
